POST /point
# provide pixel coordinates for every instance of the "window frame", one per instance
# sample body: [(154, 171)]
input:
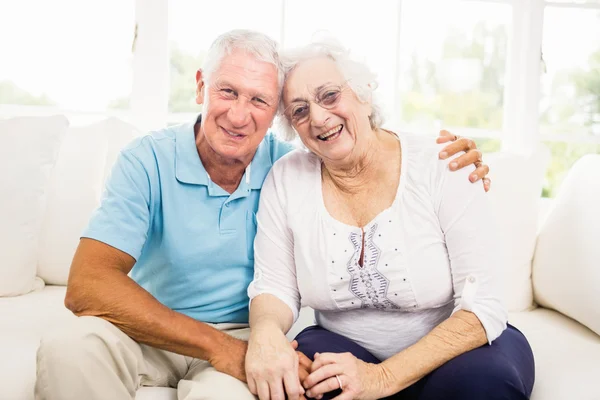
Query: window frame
[(521, 128)]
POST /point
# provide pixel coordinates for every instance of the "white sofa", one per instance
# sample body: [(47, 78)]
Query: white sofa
[(51, 178)]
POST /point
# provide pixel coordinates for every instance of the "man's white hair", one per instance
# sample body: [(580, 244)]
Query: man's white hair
[(361, 79), (256, 44)]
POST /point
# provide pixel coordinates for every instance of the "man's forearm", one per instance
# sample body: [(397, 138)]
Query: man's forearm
[(114, 296), (458, 334)]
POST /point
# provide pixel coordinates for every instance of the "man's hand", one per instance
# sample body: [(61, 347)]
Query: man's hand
[(230, 358), (472, 156), (304, 364)]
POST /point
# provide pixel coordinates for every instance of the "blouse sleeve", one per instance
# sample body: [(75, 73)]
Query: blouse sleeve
[(274, 265), (469, 229)]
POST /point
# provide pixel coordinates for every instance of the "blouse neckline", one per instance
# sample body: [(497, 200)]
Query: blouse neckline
[(321, 202)]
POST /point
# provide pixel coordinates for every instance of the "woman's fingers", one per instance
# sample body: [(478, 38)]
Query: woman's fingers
[(322, 374), (252, 385), (326, 386), (292, 386), (263, 390), (323, 359)]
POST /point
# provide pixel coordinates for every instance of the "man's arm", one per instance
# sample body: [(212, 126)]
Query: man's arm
[(472, 156), (99, 286)]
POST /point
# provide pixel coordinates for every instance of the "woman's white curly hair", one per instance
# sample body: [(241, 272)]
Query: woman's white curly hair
[(361, 79)]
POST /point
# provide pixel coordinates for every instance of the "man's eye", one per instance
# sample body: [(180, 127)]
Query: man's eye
[(259, 100), (227, 91)]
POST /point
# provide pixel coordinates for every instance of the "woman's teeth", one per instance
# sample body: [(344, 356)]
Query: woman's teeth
[(331, 132)]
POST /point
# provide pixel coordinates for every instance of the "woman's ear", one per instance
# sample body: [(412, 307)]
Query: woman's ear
[(199, 87)]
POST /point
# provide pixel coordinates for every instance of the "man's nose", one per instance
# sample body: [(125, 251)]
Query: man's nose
[(239, 112)]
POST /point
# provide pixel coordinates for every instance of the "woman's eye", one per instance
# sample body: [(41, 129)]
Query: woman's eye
[(329, 97), (299, 111)]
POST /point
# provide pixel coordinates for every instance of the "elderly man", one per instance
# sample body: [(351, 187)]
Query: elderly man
[(160, 276)]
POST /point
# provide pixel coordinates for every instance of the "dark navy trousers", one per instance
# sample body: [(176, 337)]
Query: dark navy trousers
[(503, 370)]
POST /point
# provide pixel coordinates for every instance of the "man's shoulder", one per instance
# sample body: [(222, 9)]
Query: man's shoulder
[(150, 149), (277, 147)]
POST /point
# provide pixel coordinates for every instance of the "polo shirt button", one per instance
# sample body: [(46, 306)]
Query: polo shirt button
[(226, 204)]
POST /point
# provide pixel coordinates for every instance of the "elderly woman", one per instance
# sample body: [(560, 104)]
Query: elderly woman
[(395, 254)]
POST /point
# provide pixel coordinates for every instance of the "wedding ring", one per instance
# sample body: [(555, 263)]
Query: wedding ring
[(339, 382)]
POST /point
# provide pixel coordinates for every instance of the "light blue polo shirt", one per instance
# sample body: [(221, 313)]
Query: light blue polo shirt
[(192, 241)]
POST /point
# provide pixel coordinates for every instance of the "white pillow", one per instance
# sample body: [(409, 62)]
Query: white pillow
[(86, 156), (566, 268), (28, 151), (515, 197)]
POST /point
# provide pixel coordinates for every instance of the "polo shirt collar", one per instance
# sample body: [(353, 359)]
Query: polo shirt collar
[(189, 167), (261, 163)]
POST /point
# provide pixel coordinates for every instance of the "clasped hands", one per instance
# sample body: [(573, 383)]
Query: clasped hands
[(275, 370)]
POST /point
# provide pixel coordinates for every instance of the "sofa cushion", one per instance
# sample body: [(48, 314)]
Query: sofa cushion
[(27, 155), (568, 280), (85, 158), (24, 320), (515, 197), (566, 355)]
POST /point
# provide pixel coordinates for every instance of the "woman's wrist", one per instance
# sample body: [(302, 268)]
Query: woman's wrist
[(389, 384)]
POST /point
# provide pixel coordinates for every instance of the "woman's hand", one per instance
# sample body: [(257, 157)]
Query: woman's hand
[(356, 378), (272, 365)]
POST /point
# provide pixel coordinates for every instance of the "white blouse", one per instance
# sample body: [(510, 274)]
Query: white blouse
[(431, 253)]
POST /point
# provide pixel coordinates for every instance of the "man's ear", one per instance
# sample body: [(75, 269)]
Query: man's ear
[(199, 87)]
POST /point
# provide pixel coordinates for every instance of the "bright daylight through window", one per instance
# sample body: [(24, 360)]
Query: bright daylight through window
[(441, 63)]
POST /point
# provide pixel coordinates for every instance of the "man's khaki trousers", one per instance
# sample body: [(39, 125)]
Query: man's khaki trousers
[(91, 359)]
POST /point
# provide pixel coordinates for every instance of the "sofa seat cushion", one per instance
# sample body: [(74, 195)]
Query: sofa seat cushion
[(567, 355), (23, 321)]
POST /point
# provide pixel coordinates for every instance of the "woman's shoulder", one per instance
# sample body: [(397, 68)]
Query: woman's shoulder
[(297, 164), (419, 148), (421, 155)]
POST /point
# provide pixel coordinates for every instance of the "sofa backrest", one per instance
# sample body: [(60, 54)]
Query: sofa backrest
[(28, 152), (84, 162), (515, 197), (566, 268)]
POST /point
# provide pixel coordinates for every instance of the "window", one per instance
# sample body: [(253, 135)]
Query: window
[(368, 31), (193, 25), (570, 98), (65, 54), (507, 73), (452, 65)]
